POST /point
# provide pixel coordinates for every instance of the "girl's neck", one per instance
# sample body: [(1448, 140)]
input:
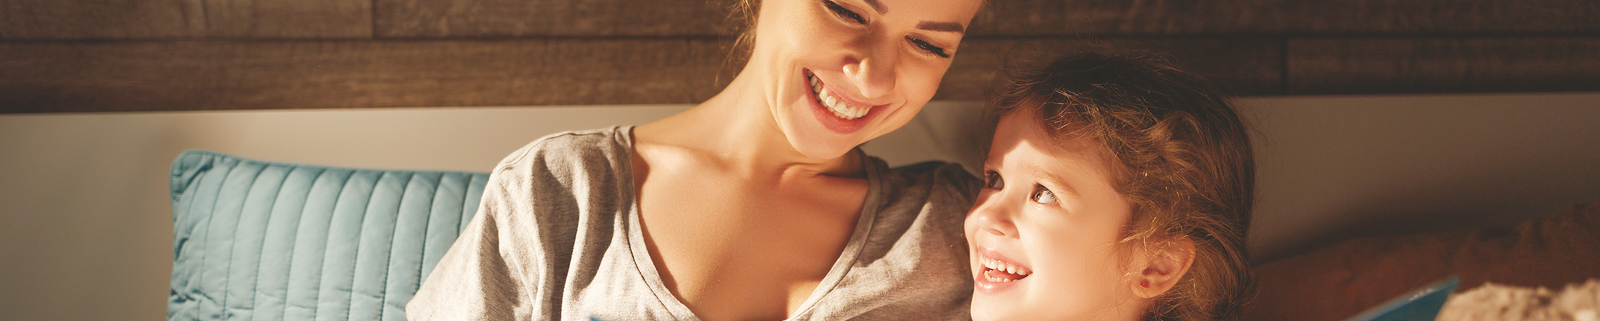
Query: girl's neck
[(737, 128)]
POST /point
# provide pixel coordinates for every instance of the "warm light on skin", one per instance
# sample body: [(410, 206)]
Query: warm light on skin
[(1079, 271), (875, 63), (709, 178)]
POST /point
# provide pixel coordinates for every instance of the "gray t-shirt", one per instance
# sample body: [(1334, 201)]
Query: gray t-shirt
[(557, 236)]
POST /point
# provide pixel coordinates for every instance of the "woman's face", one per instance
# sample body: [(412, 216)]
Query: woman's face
[(840, 72)]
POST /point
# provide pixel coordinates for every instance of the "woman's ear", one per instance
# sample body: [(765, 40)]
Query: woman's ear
[(1159, 269)]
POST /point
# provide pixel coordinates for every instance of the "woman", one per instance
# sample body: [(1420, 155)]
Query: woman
[(755, 204)]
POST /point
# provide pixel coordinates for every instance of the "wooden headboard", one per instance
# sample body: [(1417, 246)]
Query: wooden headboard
[(139, 55)]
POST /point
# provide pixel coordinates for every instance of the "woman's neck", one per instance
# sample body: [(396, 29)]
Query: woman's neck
[(737, 128)]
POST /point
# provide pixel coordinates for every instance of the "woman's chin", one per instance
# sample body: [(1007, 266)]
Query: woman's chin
[(816, 140), (821, 147)]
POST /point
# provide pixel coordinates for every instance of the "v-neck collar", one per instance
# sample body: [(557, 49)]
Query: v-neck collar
[(652, 278)]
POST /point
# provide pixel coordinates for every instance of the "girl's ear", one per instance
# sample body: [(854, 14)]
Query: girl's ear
[(1159, 269)]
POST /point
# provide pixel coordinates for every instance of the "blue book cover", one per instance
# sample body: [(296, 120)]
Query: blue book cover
[(1422, 304)]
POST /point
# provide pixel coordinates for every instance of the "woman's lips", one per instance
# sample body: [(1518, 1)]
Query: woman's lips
[(831, 118), (843, 108)]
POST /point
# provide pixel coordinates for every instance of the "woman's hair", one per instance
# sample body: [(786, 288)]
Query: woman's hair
[(1180, 155), (742, 19)]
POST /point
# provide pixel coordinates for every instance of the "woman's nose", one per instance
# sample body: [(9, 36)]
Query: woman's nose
[(873, 68)]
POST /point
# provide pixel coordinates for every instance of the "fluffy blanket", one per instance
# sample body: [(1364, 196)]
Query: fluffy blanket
[(1577, 302)]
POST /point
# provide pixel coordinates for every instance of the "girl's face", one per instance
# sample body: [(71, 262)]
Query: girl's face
[(1045, 228), (840, 72)]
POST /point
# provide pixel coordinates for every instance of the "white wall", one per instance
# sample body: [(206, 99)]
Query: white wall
[(1332, 167), (85, 222)]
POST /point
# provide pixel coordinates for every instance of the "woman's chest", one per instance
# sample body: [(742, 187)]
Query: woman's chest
[(735, 251)]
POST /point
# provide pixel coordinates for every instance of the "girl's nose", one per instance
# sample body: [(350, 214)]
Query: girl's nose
[(992, 217)]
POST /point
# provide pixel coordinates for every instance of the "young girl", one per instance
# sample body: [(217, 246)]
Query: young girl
[(1116, 188)]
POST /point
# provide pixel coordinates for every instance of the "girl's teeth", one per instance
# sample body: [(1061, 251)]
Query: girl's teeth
[(997, 265)]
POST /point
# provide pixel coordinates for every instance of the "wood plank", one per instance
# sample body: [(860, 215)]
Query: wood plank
[(495, 18), (1286, 17), (1442, 65), (1245, 66), (143, 76), (206, 75), (500, 18), (141, 19)]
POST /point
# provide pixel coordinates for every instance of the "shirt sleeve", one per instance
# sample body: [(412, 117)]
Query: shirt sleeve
[(516, 259), (473, 280)]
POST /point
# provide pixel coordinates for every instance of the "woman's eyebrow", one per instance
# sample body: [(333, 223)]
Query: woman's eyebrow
[(925, 25), (942, 26), (877, 6)]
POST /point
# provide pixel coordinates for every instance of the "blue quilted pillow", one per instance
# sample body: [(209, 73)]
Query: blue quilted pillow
[(256, 240)]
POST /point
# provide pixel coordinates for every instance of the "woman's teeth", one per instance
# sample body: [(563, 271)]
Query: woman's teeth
[(834, 104), (1012, 272)]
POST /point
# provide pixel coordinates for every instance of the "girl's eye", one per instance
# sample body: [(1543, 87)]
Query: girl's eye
[(930, 48), (992, 180), (1042, 195), (843, 12)]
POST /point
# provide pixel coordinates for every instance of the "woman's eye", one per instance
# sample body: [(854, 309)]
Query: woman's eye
[(992, 180), (1042, 195), (843, 12), (930, 48)]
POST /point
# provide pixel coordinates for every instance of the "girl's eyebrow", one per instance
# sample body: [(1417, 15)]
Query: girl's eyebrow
[(1056, 184)]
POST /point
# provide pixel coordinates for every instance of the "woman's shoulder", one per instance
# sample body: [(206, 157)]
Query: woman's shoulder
[(949, 178), (563, 150), (938, 191), (560, 164)]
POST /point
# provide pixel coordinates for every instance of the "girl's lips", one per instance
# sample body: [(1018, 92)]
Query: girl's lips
[(826, 116), (996, 273)]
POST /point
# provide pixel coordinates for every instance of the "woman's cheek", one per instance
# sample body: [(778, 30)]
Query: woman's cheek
[(928, 73)]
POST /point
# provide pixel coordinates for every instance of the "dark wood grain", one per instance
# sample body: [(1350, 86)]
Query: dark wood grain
[(1448, 65), (140, 76), (499, 18), (144, 19), (1287, 17), (200, 75), (495, 18), (1247, 66)]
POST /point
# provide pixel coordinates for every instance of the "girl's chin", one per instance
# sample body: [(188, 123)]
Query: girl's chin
[(982, 311)]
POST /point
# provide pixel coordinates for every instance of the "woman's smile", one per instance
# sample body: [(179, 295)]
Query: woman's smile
[(835, 110), (838, 73)]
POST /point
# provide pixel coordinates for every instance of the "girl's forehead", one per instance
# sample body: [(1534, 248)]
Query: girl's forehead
[(1020, 140)]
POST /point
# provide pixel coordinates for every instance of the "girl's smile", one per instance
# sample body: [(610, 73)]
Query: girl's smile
[(998, 273)]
